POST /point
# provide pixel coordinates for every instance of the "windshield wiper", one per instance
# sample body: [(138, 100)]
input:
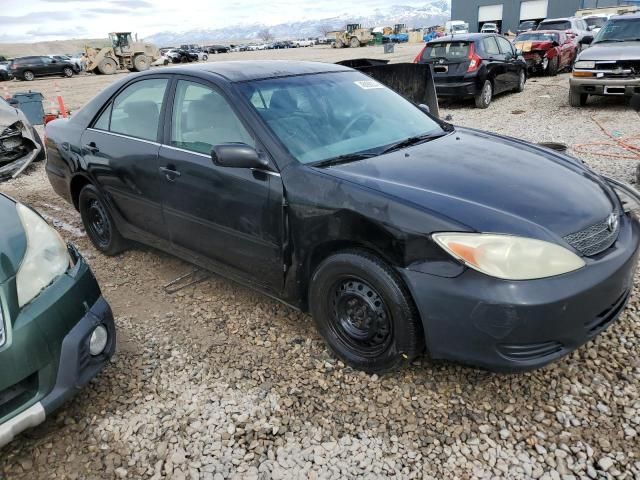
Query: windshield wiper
[(407, 142), (350, 157)]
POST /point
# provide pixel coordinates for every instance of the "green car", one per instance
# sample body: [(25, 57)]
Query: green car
[(56, 329)]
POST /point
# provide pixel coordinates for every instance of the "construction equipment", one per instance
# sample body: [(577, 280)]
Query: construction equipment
[(354, 36), (124, 53)]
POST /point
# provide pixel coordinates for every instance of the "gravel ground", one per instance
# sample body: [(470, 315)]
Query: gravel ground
[(217, 381)]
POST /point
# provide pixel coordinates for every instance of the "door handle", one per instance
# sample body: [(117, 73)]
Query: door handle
[(92, 147), (170, 173)]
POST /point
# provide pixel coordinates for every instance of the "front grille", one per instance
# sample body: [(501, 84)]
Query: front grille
[(619, 69), (16, 395), (596, 238), (602, 321), (530, 351)]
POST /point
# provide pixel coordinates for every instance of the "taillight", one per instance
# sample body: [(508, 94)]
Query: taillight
[(419, 56), (474, 59)]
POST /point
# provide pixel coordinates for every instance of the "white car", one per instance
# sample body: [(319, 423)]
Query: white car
[(490, 28), (456, 27), (303, 43), (575, 28), (202, 56), (163, 60), (596, 22)]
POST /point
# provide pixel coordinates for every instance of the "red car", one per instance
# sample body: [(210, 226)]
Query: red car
[(547, 51)]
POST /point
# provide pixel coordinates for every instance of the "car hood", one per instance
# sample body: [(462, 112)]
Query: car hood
[(490, 184), (612, 51), (528, 46), (13, 241)]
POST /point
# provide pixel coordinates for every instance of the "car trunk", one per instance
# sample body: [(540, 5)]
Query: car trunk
[(450, 60)]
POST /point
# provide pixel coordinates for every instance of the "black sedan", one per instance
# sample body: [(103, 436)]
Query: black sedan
[(326, 190), (475, 65)]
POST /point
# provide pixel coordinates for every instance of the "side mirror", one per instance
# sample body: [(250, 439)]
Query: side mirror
[(238, 155), (424, 108), (586, 40), (555, 44), (518, 52)]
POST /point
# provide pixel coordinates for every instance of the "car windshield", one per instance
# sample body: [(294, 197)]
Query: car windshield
[(334, 115), (448, 50), (596, 22), (619, 30), (459, 27), (557, 25), (528, 25), (537, 37)]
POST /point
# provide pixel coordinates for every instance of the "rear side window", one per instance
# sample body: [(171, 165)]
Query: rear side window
[(490, 46), (505, 45), (136, 110), (559, 25), (448, 50)]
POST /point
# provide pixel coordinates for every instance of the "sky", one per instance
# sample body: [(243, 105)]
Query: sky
[(43, 20)]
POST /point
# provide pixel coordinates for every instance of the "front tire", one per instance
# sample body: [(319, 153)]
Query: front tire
[(483, 99), (522, 80), (577, 99), (140, 63), (68, 72), (355, 43), (552, 68), (364, 312), (98, 222)]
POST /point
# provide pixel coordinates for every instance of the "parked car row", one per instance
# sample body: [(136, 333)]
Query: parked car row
[(30, 67)]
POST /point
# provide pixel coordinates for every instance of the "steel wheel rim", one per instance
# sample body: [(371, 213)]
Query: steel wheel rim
[(98, 223), (360, 317)]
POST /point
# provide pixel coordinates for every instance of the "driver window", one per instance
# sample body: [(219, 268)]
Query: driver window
[(505, 46), (202, 118)]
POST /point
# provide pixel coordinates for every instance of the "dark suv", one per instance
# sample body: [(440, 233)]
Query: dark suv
[(27, 68), (475, 65)]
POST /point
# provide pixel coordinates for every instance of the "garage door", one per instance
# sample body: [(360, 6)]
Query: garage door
[(533, 9), (489, 13)]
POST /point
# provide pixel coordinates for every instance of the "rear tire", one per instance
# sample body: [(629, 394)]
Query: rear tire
[(98, 222), (364, 312), (577, 99), (205, 58), (483, 99), (107, 66), (552, 68), (140, 63), (28, 75)]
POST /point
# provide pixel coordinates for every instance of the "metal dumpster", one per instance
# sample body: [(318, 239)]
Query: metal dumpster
[(31, 105)]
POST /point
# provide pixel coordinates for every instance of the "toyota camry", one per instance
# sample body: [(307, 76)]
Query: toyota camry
[(322, 188)]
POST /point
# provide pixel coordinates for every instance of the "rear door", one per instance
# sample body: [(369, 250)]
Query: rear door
[(494, 61), (450, 60), (120, 151), (512, 64)]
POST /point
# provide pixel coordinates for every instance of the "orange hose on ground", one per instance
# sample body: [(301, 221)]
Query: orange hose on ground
[(618, 143)]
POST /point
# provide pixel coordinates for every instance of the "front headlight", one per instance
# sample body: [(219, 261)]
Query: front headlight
[(584, 64), (45, 259), (509, 257)]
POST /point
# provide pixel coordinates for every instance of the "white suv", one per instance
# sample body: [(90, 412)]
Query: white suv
[(575, 28)]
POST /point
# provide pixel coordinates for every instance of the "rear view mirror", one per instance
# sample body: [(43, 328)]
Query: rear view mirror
[(238, 155), (586, 40)]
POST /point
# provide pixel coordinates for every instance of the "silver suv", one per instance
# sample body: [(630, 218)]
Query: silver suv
[(611, 65)]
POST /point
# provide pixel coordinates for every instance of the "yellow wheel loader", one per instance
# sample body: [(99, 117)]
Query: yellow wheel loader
[(124, 53)]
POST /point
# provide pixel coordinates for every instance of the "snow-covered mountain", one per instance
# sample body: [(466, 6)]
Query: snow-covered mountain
[(433, 12)]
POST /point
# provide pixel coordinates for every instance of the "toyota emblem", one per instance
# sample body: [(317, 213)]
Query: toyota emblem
[(612, 222)]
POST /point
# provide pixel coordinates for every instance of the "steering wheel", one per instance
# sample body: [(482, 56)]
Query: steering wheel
[(352, 123)]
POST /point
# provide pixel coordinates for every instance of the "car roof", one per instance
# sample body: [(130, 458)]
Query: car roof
[(242, 71), (629, 16), (554, 32), (559, 19), (464, 37)]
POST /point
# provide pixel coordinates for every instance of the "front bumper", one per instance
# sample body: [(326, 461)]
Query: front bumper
[(626, 87), (46, 359), (513, 326)]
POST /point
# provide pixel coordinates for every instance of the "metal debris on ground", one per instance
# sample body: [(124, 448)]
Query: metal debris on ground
[(183, 281)]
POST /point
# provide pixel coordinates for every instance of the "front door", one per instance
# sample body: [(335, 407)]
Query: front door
[(496, 65), (512, 63), (120, 150), (232, 216)]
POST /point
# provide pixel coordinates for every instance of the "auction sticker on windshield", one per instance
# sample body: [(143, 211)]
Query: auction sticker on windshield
[(368, 84)]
